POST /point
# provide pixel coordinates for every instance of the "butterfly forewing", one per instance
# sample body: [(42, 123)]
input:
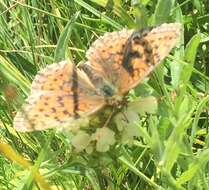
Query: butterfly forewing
[(106, 55), (59, 95), (128, 56)]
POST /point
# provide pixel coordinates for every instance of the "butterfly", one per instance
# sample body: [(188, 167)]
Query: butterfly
[(116, 62)]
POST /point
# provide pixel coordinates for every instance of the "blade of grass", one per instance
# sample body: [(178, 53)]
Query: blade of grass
[(42, 155), (194, 168), (99, 14), (8, 151), (63, 39), (202, 104), (162, 11), (11, 73), (118, 10), (190, 56), (131, 167), (55, 16), (174, 142)]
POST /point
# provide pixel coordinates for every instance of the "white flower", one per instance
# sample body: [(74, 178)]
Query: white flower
[(104, 137)]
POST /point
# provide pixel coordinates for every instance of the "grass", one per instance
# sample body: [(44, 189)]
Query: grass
[(171, 151)]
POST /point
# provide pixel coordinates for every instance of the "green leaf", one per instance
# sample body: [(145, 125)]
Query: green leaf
[(194, 168), (174, 142), (63, 39), (162, 11), (175, 65), (190, 55)]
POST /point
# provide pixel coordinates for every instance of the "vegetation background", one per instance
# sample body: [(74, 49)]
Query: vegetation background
[(172, 150)]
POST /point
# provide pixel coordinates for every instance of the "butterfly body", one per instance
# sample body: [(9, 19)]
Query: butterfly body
[(117, 62), (103, 86)]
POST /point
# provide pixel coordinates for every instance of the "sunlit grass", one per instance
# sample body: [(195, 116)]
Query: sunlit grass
[(171, 151)]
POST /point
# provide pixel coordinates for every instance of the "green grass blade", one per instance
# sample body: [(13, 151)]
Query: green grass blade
[(99, 14), (117, 8), (190, 56), (195, 167), (140, 174), (63, 39), (10, 72), (162, 11)]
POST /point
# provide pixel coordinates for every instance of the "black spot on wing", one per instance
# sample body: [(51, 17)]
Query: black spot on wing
[(135, 54), (137, 39), (53, 110), (127, 57)]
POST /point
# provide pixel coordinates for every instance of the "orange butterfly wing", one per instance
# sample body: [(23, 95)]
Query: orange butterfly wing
[(124, 58), (60, 93), (117, 62)]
